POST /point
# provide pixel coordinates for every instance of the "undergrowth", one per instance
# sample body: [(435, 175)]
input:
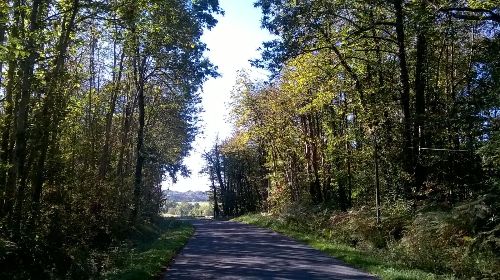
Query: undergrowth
[(432, 243), (150, 248)]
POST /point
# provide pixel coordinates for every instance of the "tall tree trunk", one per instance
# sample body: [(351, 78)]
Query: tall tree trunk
[(218, 167), (7, 180), (3, 31), (8, 187), (418, 131), (405, 92), (214, 191), (50, 111), (127, 114), (19, 158), (420, 87), (106, 152), (91, 90), (348, 159), (140, 84), (312, 157), (218, 173), (377, 177), (349, 174)]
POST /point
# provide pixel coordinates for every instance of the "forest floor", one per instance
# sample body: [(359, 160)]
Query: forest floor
[(229, 250)]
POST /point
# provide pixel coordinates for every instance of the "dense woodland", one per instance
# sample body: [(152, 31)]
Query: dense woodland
[(381, 119), (380, 127), (98, 103)]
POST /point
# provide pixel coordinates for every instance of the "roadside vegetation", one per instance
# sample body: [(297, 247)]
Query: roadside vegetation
[(149, 250), (142, 254), (436, 244), (99, 103), (376, 137)]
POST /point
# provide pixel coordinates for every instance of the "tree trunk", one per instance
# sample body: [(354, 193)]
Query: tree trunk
[(377, 177), (127, 112), (218, 167), (91, 90), (405, 92), (214, 191), (8, 188), (348, 159), (420, 87), (7, 180), (140, 142), (27, 68), (50, 109), (3, 30), (106, 152), (349, 175), (418, 131)]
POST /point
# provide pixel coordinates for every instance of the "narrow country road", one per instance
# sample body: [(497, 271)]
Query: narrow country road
[(229, 250)]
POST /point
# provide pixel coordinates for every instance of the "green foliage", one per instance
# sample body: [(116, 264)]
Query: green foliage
[(462, 241), (379, 129), (192, 209), (100, 105), (152, 248), (372, 262), (459, 241), (238, 183), (350, 90)]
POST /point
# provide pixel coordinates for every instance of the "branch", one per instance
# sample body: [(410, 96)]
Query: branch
[(477, 14), (380, 38), (370, 27), (375, 50)]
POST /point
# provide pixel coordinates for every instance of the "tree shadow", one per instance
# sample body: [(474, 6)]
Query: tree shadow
[(228, 250)]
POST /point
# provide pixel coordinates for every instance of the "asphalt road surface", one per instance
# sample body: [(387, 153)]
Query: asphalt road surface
[(228, 250)]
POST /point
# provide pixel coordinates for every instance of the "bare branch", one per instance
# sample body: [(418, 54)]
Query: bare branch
[(471, 14)]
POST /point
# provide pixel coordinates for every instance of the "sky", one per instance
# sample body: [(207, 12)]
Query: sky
[(232, 43)]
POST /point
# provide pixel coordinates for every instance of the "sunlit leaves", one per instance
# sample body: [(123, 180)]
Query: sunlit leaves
[(79, 70)]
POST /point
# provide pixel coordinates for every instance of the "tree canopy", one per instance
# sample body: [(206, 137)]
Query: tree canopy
[(401, 95), (370, 105), (99, 102)]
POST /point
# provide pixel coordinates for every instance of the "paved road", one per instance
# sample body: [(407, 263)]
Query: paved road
[(228, 250)]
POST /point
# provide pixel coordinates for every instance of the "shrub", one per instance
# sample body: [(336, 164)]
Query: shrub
[(449, 241), (464, 240), (359, 227)]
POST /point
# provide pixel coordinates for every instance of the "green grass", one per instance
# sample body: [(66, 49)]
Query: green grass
[(370, 262), (154, 246)]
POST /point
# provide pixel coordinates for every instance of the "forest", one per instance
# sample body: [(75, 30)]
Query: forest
[(378, 128), (98, 104)]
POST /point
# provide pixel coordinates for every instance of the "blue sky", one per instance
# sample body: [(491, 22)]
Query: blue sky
[(232, 43)]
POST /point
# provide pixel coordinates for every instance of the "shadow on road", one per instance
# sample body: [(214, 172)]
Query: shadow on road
[(228, 250)]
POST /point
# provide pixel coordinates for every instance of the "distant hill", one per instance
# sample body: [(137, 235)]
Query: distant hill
[(189, 196)]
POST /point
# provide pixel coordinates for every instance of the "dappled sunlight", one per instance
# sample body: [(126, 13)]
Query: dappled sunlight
[(228, 250)]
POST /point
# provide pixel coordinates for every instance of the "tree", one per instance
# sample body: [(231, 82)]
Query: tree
[(369, 103), (100, 104)]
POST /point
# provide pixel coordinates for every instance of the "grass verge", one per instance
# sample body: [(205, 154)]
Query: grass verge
[(371, 262), (153, 246)]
